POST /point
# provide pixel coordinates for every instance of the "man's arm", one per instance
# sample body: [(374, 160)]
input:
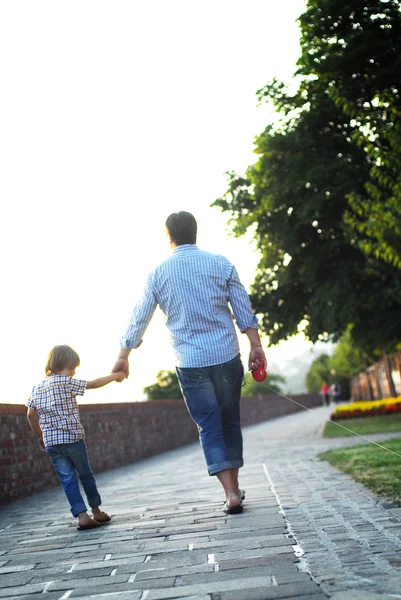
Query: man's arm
[(140, 319), (101, 381), (246, 320), (33, 421)]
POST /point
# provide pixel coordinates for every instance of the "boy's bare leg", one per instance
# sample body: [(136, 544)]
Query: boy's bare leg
[(229, 481), (84, 519)]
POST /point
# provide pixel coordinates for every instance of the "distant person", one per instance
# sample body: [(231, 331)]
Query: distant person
[(324, 392), (335, 391), (53, 415), (195, 290)]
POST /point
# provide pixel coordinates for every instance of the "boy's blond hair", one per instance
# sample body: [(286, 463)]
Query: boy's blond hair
[(61, 357)]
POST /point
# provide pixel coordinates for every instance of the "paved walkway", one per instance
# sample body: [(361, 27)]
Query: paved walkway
[(307, 531)]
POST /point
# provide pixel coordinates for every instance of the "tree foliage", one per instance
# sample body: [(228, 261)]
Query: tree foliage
[(346, 361), (166, 387), (307, 196), (354, 50), (319, 372)]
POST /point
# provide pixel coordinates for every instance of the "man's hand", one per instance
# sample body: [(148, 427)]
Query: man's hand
[(256, 356), (41, 444), (120, 376), (256, 353), (121, 365)]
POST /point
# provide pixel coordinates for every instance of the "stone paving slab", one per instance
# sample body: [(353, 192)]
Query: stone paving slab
[(49, 596), (307, 531)]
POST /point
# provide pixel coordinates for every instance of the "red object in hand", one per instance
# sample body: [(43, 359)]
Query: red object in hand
[(259, 374)]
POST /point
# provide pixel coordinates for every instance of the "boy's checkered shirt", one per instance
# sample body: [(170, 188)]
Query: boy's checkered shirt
[(55, 401)]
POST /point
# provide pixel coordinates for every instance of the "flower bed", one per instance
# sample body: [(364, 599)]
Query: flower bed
[(386, 406)]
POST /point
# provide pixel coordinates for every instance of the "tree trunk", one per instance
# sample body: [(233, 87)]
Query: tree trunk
[(387, 365)]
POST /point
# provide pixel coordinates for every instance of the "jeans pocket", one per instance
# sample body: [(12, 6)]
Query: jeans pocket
[(232, 372), (192, 378)]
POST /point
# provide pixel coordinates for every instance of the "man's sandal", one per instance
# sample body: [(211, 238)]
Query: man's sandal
[(233, 510), (104, 519), (90, 526)]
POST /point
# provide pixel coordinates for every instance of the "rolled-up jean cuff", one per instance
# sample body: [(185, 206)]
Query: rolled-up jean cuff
[(78, 508), (94, 502), (223, 466)]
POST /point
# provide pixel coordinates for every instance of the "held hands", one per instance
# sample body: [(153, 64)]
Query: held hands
[(119, 376), (121, 365)]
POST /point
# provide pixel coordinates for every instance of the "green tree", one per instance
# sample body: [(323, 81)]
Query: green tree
[(346, 361), (296, 197), (166, 387), (269, 386), (354, 50), (319, 372)]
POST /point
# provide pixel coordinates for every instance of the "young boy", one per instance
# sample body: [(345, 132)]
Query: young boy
[(53, 415)]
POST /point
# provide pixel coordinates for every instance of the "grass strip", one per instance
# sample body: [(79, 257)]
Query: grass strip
[(363, 425), (377, 469)]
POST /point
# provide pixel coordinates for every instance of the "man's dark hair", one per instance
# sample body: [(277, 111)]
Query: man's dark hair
[(182, 228)]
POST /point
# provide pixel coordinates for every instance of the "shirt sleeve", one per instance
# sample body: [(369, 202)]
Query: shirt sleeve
[(240, 303), (78, 386), (30, 403), (141, 316)]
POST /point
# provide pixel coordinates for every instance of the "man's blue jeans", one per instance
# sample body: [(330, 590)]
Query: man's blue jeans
[(71, 462), (212, 395)]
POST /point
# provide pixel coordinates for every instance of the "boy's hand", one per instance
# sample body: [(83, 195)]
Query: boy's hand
[(41, 444), (120, 376)]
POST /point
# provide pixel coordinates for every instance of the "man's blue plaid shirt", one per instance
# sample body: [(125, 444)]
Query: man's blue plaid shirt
[(195, 290), (55, 401)]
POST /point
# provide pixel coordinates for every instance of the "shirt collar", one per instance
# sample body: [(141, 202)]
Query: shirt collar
[(185, 248)]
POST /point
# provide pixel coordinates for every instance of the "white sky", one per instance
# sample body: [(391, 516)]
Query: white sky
[(114, 115)]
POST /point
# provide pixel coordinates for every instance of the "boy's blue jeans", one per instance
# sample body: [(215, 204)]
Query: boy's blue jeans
[(71, 462), (212, 395)]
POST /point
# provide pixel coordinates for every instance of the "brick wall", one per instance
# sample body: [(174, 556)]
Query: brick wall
[(116, 434)]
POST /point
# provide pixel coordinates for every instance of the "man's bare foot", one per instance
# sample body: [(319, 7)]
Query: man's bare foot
[(86, 522), (233, 504), (100, 516)]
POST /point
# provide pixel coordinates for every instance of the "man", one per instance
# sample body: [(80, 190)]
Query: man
[(194, 289)]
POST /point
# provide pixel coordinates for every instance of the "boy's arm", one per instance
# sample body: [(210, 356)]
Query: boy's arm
[(101, 381), (33, 421)]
